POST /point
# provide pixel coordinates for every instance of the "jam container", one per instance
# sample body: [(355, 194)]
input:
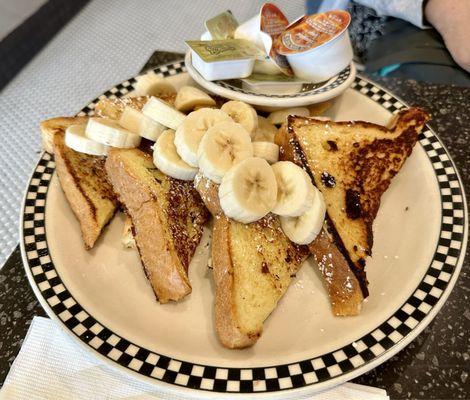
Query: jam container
[(262, 30), (317, 46), (250, 30)]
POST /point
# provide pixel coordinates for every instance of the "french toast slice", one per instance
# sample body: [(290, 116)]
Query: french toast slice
[(343, 288), (352, 164), (253, 265), (82, 178), (57, 126), (167, 218)]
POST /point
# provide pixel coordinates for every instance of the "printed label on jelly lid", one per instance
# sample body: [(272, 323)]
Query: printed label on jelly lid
[(272, 24), (225, 50), (272, 21), (312, 31), (222, 26)]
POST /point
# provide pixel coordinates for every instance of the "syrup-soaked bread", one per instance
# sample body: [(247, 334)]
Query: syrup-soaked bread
[(253, 265), (82, 178), (343, 288), (167, 218), (352, 163)]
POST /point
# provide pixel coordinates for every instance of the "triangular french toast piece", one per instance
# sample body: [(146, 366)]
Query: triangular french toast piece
[(343, 288), (82, 178), (352, 163), (167, 217), (253, 266)]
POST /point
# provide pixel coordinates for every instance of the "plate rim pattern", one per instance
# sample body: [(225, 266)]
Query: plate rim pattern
[(327, 86), (322, 371)]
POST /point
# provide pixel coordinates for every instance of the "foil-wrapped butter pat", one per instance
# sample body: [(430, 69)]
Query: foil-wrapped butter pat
[(224, 59)]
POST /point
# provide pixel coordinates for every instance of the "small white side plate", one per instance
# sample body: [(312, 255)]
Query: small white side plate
[(310, 94)]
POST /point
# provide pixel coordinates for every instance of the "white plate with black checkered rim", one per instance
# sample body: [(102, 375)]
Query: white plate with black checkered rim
[(308, 95), (293, 372)]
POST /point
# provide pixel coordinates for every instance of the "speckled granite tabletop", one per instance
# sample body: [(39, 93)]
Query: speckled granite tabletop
[(434, 366)]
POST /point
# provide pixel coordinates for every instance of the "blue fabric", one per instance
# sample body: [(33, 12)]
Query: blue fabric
[(317, 6), (388, 69)]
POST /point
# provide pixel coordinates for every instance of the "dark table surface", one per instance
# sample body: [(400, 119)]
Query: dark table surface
[(434, 366)]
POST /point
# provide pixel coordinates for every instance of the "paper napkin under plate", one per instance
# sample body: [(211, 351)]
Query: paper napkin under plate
[(50, 365)]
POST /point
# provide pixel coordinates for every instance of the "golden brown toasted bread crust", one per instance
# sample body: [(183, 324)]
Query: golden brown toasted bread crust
[(342, 285), (253, 265), (167, 217), (352, 163), (226, 318), (83, 180), (242, 253), (57, 126), (209, 192)]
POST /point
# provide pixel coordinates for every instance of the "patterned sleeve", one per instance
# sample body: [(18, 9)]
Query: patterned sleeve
[(408, 10)]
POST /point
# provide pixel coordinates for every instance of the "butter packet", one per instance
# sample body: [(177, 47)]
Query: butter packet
[(222, 26), (225, 50)]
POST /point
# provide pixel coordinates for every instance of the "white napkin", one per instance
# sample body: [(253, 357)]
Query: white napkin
[(51, 365)]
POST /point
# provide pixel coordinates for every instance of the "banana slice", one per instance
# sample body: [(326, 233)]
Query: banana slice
[(265, 131), (267, 150), (304, 229), (242, 113), (167, 160), (190, 132), (110, 133), (163, 113), (248, 190), (150, 129), (279, 116), (76, 139), (189, 97), (295, 189), (224, 145), (134, 121), (152, 85)]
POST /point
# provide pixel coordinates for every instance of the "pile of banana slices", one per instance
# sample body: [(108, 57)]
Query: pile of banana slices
[(232, 146)]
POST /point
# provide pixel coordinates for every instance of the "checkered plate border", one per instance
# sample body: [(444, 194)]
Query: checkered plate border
[(343, 363)]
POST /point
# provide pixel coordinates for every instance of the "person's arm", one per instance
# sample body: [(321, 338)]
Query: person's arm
[(451, 18)]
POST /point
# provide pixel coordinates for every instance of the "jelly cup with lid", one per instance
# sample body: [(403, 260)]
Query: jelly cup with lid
[(317, 46)]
